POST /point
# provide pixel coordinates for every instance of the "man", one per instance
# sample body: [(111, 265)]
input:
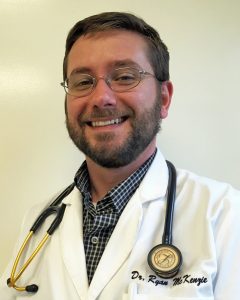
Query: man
[(117, 87)]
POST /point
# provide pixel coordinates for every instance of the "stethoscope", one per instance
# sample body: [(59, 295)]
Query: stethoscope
[(164, 259)]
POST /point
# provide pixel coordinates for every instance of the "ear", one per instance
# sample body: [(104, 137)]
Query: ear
[(166, 97), (65, 105)]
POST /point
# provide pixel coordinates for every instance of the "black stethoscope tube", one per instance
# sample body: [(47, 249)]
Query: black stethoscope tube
[(63, 195), (53, 208), (171, 195)]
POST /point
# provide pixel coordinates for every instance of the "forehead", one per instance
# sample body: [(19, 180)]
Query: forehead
[(103, 50)]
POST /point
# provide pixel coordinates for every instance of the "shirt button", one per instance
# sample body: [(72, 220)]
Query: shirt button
[(94, 240)]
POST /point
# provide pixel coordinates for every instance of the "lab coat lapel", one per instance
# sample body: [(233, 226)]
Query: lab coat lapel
[(73, 250), (118, 247)]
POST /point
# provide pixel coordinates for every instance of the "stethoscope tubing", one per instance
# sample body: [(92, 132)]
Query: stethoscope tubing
[(171, 196)]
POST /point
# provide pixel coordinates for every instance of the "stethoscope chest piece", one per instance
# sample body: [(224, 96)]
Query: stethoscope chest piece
[(165, 260)]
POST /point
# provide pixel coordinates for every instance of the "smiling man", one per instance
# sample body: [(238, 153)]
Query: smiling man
[(114, 104), (113, 238)]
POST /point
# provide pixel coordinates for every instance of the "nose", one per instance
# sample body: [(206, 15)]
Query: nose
[(102, 95)]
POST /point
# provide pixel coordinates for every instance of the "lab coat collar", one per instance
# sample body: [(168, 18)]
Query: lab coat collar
[(154, 184)]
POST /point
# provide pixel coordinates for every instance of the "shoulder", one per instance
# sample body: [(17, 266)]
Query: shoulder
[(213, 195), (187, 179)]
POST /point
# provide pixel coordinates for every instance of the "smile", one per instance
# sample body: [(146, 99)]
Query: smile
[(106, 123)]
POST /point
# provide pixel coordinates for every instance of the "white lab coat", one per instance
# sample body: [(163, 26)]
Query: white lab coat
[(206, 230)]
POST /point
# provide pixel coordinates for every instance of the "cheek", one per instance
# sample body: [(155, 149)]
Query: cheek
[(144, 98), (73, 108)]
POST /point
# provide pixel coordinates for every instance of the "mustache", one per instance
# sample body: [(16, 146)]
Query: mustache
[(103, 113)]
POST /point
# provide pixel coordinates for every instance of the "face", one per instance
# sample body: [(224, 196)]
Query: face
[(114, 128)]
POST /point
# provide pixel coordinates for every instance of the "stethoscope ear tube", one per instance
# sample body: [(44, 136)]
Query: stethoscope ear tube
[(165, 259)]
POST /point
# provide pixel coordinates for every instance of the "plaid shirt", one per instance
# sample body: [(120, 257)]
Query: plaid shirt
[(99, 221)]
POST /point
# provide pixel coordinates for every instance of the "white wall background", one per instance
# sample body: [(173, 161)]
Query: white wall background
[(202, 132)]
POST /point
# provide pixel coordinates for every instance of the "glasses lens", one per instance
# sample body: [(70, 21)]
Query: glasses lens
[(80, 84), (119, 80), (123, 79)]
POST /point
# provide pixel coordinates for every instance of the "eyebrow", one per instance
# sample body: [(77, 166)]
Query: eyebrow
[(115, 64), (83, 70), (125, 63)]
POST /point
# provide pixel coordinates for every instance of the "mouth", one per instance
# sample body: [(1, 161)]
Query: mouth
[(102, 123)]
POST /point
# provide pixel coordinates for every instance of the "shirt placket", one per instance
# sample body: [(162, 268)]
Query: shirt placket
[(100, 222)]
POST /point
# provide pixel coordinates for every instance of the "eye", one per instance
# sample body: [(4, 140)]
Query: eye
[(80, 83), (123, 77)]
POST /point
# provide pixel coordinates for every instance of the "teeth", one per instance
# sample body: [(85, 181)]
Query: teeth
[(106, 123)]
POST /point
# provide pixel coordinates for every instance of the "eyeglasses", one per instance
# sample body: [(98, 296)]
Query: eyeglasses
[(119, 80)]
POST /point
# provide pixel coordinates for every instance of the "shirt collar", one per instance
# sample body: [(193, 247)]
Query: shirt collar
[(119, 195)]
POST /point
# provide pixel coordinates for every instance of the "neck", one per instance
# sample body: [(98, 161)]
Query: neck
[(104, 179)]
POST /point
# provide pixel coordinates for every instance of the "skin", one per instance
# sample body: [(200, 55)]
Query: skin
[(97, 54)]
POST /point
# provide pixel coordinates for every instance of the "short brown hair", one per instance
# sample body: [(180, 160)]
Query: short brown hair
[(158, 53)]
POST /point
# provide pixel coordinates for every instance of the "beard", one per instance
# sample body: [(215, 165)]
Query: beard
[(104, 152)]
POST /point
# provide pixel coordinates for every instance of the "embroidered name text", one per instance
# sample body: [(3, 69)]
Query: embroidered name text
[(189, 279)]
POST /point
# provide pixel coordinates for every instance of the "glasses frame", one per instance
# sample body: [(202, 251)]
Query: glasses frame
[(141, 72)]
